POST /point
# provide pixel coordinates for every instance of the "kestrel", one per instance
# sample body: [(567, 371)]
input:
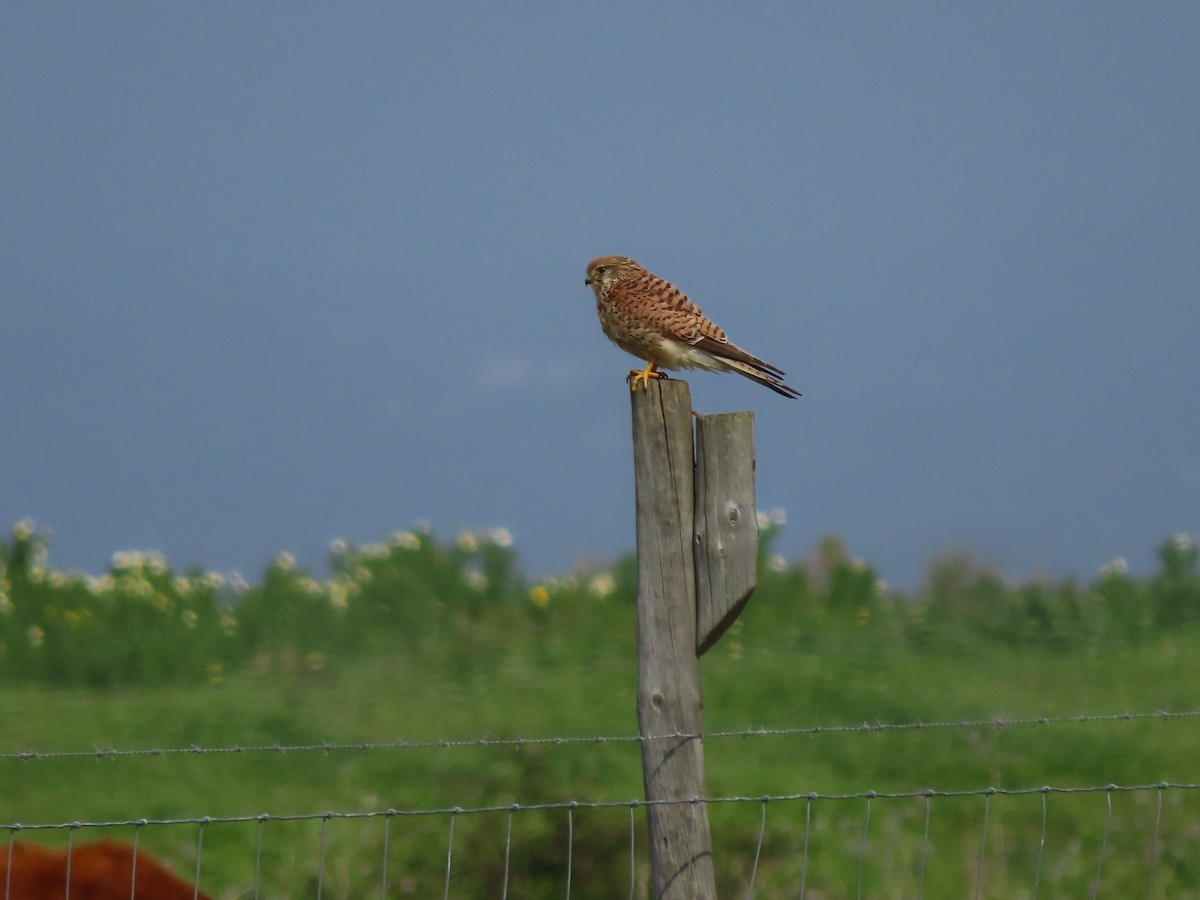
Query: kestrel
[(655, 321)]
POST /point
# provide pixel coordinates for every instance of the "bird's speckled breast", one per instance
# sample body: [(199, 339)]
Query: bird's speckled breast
[(641, 342)]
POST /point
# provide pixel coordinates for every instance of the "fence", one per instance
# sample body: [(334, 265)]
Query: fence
[(1139, 840)]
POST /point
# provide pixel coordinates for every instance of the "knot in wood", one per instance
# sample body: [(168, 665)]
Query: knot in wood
[(733, 513)]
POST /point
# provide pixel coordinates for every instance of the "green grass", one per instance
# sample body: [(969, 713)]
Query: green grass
[(848, 681), (422, 651)]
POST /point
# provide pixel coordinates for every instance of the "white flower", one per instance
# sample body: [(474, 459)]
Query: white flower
[(1183, 542), (150, 560), (98, 585), (405, 539), (467, 542), (338, 547), (24, 529), (501, 537), (310, 586), (777, 563), (339, 596), (602, 585), (284, 561), (1117, 567), (476, 579)]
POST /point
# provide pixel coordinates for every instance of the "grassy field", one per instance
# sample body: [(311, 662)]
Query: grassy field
[(821, 644)]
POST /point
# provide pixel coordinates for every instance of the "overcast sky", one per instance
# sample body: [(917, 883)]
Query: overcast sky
[(278, 273)]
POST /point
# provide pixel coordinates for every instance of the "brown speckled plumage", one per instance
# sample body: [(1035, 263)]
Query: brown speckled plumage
[(652, 319)]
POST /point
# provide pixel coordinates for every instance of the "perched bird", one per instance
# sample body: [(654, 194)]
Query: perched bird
[(655, 321)]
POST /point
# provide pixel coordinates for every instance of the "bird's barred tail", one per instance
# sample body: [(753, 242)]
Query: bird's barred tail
[(762, 376)]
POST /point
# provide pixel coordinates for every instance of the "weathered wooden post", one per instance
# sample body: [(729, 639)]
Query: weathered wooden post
[(695, 525)]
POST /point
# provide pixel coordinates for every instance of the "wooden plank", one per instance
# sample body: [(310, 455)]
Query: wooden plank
[(726, 529), (668, 669)]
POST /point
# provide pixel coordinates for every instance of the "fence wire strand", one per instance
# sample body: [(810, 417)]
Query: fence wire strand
[(330, 747), (12, 835), (632, 851), (70, 853), (321, 856), (987, 802), (570, 843), (925, 846), (811, 796), (862, 851), (507, 854), (762, 830), (199, 852), (1095, 892), (258, 856), (450, 850), (383, 881), (137, 833), (1037, 873), (1154, 844), (804, 859)]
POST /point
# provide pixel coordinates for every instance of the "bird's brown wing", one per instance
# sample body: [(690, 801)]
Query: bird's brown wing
[(661, 306), (667, 310), (727, 350)]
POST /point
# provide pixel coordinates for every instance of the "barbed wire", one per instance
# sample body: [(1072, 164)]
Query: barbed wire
[(327, 747), (571, 805)]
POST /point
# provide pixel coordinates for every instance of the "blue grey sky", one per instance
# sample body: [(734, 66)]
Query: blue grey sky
[(277, 273)]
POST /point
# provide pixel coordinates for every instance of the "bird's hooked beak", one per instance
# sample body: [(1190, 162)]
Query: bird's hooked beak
[(588, 280)]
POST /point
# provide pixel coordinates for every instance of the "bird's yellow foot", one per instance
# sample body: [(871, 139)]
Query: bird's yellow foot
[(642, 378)]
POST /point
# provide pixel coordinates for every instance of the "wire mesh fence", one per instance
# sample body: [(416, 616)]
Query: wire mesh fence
[(1136, 842), (983, 841)]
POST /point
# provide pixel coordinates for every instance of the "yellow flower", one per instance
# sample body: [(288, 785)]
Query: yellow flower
[(540, 596)]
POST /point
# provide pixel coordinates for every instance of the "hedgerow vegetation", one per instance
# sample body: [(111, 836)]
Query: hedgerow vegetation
[(142, 623)]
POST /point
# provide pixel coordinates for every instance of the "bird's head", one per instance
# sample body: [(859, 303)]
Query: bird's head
[(603, 270)]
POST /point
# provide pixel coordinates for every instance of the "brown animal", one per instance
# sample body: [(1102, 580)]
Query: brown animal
[(99, 871)]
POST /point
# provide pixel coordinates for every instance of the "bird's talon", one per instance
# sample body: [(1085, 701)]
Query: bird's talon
[(641, 377)]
